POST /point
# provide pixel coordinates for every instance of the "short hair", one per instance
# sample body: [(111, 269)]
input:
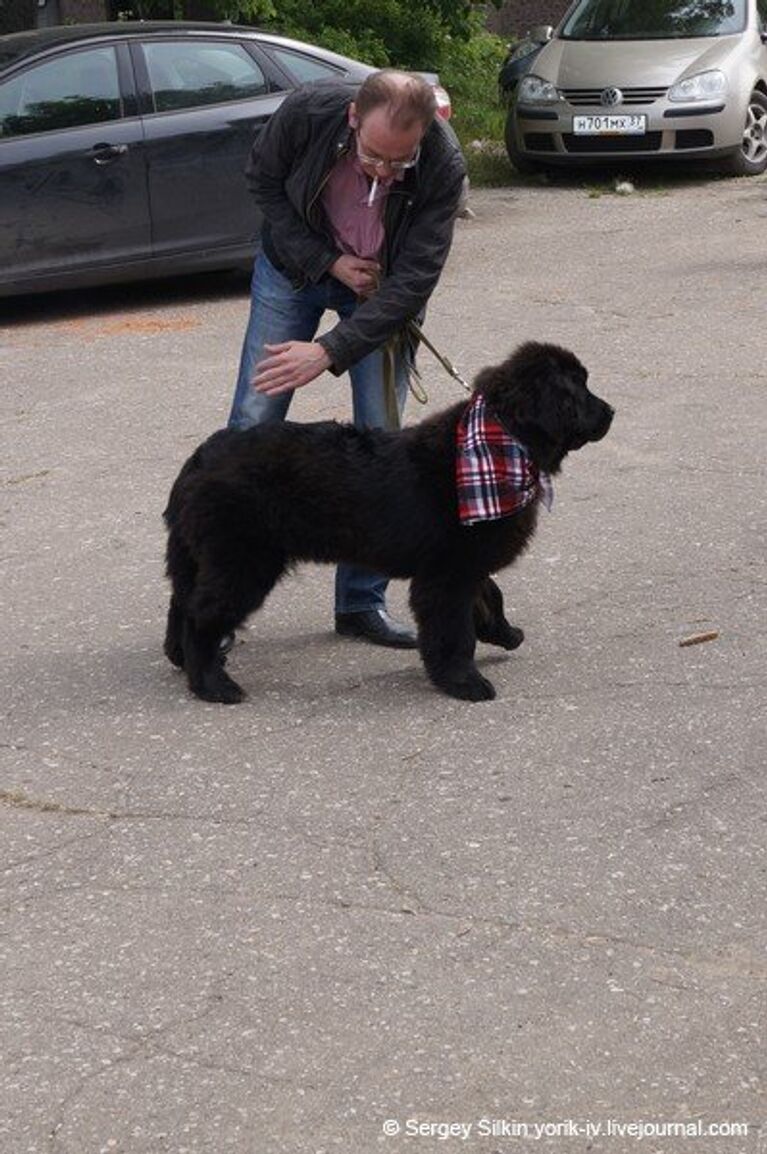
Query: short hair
[(409, 99)]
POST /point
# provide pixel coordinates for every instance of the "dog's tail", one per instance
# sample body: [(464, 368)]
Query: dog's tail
[(171, 510)]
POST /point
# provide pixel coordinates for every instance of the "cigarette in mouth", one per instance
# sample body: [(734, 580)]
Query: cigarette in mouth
[(372, 193)]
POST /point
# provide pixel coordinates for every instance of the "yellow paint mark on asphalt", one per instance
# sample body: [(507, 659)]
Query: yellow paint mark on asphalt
[(24, 477), (93, 329), (150, 325), (20, 800)]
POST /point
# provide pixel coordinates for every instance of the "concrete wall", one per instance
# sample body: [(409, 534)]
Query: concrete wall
[(83, 11), (18, 15)]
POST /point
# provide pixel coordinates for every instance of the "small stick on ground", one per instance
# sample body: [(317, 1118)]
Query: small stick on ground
[(699, 638)]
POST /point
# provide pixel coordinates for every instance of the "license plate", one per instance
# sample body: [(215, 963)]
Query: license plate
[(609, 124)]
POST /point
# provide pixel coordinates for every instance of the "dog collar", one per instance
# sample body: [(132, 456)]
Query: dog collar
[(495, 474)]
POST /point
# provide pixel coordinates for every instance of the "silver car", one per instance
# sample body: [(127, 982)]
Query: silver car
[(647, 79)]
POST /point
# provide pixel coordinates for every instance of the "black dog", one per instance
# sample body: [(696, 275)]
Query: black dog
[(248, 504)]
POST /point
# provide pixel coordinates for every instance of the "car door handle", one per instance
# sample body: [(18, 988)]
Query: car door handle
[(102, 154)]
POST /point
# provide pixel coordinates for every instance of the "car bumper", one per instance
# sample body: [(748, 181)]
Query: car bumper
[(670, 130)]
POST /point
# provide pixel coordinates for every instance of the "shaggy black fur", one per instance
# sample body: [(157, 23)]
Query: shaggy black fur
[(248, 504)]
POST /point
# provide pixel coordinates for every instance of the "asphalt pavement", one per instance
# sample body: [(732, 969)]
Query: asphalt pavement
[(351, 914)]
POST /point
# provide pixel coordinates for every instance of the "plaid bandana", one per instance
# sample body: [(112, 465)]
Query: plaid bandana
[(495, 476)]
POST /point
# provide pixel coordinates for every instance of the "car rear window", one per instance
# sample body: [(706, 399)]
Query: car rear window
[(301, 67), (188, 75), (653, 19)]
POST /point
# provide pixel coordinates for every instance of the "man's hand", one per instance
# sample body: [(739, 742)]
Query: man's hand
[(358, 274), (289, 366)]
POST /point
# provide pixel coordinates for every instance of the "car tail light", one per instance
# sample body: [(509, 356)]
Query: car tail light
[(444, 107)]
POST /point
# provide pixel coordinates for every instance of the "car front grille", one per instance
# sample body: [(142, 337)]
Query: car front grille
[(648, 142), (633, 96), (539, 142)]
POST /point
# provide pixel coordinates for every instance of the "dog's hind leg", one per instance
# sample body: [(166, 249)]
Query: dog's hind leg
[(181, 570), (443, 609), (490, 621), (174, 634), (204, 664), (227, 590)]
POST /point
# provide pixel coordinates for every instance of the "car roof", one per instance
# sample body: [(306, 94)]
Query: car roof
[(18, 46)]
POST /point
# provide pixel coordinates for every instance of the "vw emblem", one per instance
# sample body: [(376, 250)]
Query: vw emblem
[(611, 97)]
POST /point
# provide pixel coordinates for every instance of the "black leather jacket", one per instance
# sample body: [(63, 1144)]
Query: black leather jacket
[(289, 165)]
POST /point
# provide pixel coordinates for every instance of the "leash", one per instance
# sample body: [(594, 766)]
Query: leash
[(415, 381), (447, 365)]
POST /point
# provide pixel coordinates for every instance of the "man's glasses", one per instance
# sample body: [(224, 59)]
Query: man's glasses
[(378, 163)]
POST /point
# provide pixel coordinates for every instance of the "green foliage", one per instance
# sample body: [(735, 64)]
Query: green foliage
[(455, 16), (238, 11), (470, 74), (381, 33), (367, 46), (244, 11), (469, 68)]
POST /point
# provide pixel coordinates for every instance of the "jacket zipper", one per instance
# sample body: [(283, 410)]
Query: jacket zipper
[(341, 150)]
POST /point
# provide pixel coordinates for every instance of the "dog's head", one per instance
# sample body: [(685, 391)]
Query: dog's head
[(540, 395)]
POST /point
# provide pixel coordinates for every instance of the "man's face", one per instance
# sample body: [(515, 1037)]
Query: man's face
[(378, 140)]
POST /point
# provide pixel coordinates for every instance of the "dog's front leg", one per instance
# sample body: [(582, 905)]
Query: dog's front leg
[(446, 637), (490, 621)]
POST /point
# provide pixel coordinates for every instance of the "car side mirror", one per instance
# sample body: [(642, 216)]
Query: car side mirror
[(541, 33)]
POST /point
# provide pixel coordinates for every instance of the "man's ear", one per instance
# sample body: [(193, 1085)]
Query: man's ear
[(353, 119)]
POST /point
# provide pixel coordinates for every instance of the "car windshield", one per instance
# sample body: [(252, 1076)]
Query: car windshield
[(653, 19)]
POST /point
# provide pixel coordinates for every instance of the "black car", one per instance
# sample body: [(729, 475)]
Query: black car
[(520, 58), (123, 147)]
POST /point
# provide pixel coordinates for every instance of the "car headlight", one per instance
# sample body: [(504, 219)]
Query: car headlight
[(534, 90), (702, 86)]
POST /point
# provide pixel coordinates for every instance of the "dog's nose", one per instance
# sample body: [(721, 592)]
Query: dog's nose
[(604, 422)]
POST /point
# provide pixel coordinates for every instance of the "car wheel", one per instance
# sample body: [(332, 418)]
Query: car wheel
[(523, 164), (751, 157)]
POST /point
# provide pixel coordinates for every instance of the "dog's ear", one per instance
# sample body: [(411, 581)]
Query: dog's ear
[(540, 413), (533, 398)]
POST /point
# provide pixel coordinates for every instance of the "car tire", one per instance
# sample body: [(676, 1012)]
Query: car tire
[(751, 156), (522, 163)]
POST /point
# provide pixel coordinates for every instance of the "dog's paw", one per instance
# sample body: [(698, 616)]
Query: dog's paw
[(511, 638), (174, 651), (474, 687), (218, 686), (505, 636)]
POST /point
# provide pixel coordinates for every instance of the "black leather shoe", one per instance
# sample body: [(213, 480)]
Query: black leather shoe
[(226, 644), (377, 627)]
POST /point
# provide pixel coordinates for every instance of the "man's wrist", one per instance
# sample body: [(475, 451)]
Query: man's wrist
[(329, 357), (323, 356)]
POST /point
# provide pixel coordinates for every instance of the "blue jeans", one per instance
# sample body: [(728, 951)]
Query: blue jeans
[(279, 312)]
